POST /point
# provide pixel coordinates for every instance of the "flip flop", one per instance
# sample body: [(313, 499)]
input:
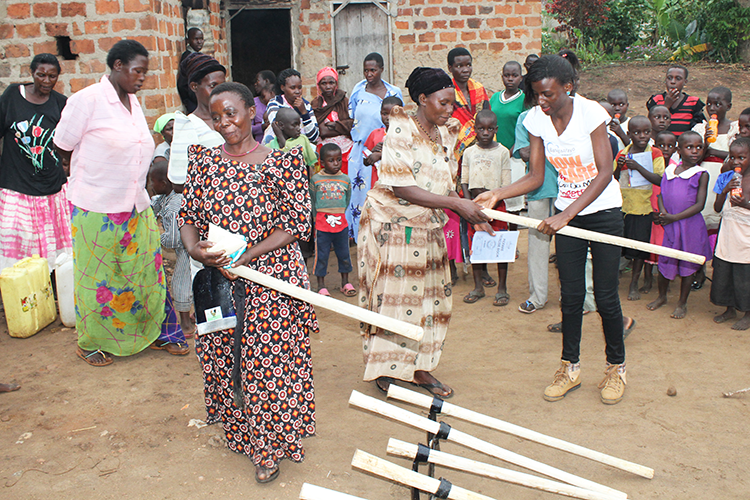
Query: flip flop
[(473, 296), (324, 292), (488, 282), (270, 478), (384, 379), (431, 389), (555, 327), (501, 299), (348, 290), (173, 348), (629, 329), (87, 357)]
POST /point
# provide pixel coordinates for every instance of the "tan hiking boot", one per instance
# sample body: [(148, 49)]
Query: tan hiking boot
[(613, 385), (567, 378)]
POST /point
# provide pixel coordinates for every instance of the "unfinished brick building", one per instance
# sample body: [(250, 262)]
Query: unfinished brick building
[(251, 35)]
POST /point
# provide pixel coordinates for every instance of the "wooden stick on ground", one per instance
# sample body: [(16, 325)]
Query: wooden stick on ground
[(394, 412), (424, 401), (407, 450), (585, 234), (730, 394), (312, 492), (385, 469), (408, 330)]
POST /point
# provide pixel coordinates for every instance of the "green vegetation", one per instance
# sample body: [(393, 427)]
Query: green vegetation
[(649, 30)]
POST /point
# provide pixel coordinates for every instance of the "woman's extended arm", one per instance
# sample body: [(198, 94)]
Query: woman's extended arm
[(529, 182), (604, 162), (465, 208)]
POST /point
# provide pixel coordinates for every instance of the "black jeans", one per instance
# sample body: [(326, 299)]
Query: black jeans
[(571, 265)]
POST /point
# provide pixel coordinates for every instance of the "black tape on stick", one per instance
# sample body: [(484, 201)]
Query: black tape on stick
[(445, 429), (444, 489), (437, 406), (423, 453)]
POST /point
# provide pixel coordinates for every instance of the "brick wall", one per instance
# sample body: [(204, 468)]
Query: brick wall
[(423, 31), (29, 28), (494, 32)]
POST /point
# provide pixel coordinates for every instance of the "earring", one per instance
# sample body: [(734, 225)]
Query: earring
[(568, 92)]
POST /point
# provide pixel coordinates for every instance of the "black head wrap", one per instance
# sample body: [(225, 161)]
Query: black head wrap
[(427, 81), (197, 65)]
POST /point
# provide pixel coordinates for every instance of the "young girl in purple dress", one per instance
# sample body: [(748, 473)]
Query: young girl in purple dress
[(683, 195)]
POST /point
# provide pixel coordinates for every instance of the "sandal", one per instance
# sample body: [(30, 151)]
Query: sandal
[(555, 327), (387, 380), (105, 359), (324, 292), (434, 387), (527, 307), (627, 331), (501, 299), (268, 478), (348, 290), (173, 348), (473, 296), (488, 282)]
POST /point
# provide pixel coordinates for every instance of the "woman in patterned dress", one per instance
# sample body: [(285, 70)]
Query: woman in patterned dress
[(403, 262), (261, 194)]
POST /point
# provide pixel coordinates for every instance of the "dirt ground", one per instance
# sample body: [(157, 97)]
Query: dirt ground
[(122, 432)]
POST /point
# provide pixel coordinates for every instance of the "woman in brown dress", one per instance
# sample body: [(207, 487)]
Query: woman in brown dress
[(403, 262)]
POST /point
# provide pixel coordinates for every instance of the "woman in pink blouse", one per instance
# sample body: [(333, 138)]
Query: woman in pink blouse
[(119, 280)]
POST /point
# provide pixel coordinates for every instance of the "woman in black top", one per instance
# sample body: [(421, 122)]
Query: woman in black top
[(34, 210)]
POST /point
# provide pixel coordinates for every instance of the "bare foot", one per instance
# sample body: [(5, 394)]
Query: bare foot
[(726, 316), (679, 312), (647, 285), (742, 324), (633, 293), (15, 387), (660, 301), (266, 475)]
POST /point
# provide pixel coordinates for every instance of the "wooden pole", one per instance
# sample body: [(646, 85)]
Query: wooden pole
[(585, 234), (424, 401), (408, 330), (394, 412), (408, 450), (385, 469), (312, 492)]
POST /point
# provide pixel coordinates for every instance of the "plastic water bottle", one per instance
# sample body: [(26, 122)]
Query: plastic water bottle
[(64, 283), (737, 175), (713, 125)]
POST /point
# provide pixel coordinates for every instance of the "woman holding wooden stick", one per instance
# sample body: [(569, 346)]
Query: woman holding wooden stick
[(266, 404), (403, 262), (571, 132)]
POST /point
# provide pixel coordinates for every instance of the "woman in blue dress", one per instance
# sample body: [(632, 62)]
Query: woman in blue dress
[(364, 106)]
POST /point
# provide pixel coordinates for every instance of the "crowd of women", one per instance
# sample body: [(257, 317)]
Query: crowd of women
[(258, 379)]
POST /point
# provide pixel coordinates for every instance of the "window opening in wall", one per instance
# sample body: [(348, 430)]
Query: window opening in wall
[(63, 48)]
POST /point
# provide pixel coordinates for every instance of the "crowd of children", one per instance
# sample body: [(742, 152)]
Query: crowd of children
[(675, 171)]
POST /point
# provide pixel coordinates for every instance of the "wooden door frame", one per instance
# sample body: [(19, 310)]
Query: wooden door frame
[(385, 6)]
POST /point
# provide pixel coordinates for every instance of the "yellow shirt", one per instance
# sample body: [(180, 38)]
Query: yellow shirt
[(637, 200)]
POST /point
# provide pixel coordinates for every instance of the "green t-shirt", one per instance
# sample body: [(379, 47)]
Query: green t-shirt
[(507, 114), (548, 189), (307, 150)]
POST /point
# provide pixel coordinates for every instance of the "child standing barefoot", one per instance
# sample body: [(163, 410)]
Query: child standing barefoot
[(731, 281), (683, 195)]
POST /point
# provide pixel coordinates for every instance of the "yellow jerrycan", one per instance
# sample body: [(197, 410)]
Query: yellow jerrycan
[(27, 296)]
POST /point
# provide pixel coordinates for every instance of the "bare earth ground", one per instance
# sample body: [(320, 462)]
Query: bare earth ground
[(121, 432)]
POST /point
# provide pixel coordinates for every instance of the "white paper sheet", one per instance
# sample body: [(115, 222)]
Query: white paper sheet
[(489, 249), (646, 161)]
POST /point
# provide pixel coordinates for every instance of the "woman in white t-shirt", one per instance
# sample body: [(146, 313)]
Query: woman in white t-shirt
[(571, 132)]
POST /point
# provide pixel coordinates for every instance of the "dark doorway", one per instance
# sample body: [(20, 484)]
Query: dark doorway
[(261, 39)]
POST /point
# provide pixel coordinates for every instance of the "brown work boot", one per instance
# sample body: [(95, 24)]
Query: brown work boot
[(567, 378), (613, 385)]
